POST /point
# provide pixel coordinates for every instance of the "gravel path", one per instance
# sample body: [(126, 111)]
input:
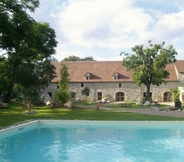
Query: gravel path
[(155, 112), (141, 111)]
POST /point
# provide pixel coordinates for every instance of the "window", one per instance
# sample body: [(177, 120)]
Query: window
[(120, 85), (167, 97), (57, 86), (88, 76), (120, 96), (115, 75), (82, 84), (99, 95)]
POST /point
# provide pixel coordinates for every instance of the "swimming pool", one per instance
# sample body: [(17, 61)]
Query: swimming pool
[(93, 141)]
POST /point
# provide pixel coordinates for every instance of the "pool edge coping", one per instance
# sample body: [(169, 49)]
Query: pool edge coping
[(26, 123)]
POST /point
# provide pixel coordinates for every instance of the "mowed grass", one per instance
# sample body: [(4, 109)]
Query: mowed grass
[(14, 114), (108, 105)]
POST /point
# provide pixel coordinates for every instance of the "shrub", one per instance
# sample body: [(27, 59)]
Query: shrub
[(62, 96)]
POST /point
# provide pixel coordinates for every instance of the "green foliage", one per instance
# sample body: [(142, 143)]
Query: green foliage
[(62, 96), (64, 77), (4, 75), (76, 58), (24, 41), (18, 5), (72, 94), (176, 94), (37, 74), (15, 23), (85, 91), (148, 64), (14, 115), (89, 58), (30, 94)]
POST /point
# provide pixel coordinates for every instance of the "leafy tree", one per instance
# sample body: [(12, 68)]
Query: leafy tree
[(85, 92), (148, 64), (53, 59), (64, 77), (73, 94), (37, 74), (17, 6), (15, 27), (76, 58), (23, 39), (89, 58), (30, 97), (15, 22), (72, 58), (4, 76), (62, 95), (41, 49), (176, 94)]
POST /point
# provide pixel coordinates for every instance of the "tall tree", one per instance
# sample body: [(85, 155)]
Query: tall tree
[(36, 74), (64, 77), (62, 95), (15, 22), (148, 64), (23, 39), (15, 27), (4, 76), (42, 47)]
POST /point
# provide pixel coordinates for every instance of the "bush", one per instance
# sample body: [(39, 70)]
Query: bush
[(62, 96), (176, 93)]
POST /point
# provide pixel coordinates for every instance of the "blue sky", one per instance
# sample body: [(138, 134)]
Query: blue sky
[(104, 28)]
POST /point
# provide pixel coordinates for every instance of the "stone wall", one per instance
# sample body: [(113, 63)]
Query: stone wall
[(181, 77), (131, 91), (158, 91), (107, 89), (52, 87)]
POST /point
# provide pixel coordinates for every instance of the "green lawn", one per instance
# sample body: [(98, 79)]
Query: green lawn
[(14, 114), (109, 105)]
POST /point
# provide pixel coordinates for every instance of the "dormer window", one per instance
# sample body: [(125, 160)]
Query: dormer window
[(88, 76), (115, 75)]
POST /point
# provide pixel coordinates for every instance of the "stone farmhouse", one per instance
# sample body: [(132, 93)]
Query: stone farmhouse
[(111, 80)]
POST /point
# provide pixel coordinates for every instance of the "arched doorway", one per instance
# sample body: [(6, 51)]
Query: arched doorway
[(167, 96), (120, 96)]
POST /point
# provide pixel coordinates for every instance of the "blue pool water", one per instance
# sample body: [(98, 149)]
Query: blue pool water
[(90, 141)]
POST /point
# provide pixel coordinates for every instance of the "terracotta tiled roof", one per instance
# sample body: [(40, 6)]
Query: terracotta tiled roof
[(172, 71), (180, 66), (102, 71)]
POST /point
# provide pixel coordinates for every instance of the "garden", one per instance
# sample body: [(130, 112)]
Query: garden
[(15, 114)]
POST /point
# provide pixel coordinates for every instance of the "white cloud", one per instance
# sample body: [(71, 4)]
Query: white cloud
[(180, 53), (171, 25), (179, 4), (117, 58), (116, 25), (102, 22)]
